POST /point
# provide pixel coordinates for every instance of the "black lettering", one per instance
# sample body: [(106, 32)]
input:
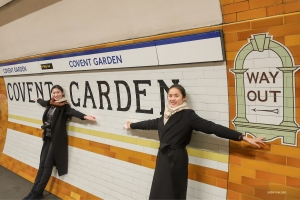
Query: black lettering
[(17, 98), (29, 90), (248, 95), (274, 76), (39, 90), (11, 98), (266, 96), (22, 91), (264, 78), (252, 77), (86, 96), (71, 94), (49, 87), (101, 93), (137, 94), (118, 95), (275, 93)]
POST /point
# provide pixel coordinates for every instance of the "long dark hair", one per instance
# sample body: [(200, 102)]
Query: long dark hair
[(57, 87), (180, 88)]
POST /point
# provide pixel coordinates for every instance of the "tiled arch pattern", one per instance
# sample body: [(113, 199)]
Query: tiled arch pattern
[(271, 172)]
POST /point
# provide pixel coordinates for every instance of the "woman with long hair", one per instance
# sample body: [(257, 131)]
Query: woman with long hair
[(175, 129), (55, 146)]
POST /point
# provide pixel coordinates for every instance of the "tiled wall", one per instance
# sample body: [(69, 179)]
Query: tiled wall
[(273, 169), (240, 10), (110, 162), (251, 174)]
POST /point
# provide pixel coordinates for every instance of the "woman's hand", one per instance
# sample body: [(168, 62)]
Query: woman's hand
[(254, 141), (35, 100), (90, 117), (127, 125)]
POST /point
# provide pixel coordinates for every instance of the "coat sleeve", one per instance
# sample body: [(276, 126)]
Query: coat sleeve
[(43, 103), (203, 125), (72, 112), (151, 124)]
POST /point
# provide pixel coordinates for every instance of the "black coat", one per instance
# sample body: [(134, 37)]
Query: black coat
[(171, 172), (59, 135)]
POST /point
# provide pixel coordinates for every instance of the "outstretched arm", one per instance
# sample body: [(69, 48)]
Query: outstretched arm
[(209, 127), (144, 125), (90, 117), (42, 102), (255, 141), (72, 112)]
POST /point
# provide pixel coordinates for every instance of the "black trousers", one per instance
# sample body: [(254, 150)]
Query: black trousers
[(45, 168)]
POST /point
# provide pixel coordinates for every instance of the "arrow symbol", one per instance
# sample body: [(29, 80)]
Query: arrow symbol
[(273, 111)]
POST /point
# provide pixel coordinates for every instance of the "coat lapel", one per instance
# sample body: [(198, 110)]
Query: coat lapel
[(45, 114), (55, 114), (172, 120)]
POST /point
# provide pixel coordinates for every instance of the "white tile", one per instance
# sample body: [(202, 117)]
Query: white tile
[(190, 191), (146, 177), (125, 197), (138, 196), (193, 75), (190, 197), (196, 185), (208, 146), (125, 191), (140, 183), (216, 191), (204, 195), (256, 54), (208, 163), (207, 97), (224, 150)]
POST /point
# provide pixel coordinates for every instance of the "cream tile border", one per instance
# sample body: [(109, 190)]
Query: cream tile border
[(132, 140)]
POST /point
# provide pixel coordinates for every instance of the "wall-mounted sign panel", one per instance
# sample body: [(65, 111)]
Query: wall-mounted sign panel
[(20, 69), (136, 55), (204, 47)]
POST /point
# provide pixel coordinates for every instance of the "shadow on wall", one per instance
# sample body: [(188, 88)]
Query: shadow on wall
[(17, 9), (199, 140), (146, 134)]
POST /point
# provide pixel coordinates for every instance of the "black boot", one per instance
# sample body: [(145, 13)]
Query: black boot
[(28, 195), (36, 195)]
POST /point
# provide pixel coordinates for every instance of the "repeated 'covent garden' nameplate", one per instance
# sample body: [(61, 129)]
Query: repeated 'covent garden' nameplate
[(203, 47)]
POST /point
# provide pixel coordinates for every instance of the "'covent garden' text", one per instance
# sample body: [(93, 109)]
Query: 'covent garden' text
[(27, 91)]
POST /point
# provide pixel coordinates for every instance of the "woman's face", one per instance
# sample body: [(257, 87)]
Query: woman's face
[(57, 94), (175, 97)]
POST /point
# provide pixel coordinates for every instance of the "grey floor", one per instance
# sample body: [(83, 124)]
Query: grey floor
[(13, 186)]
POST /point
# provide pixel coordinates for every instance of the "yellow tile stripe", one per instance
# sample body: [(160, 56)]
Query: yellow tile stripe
[(25, 119), (55, 186), (131, 140), (198, 173)]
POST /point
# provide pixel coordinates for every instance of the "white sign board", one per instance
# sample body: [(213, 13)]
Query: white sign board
[(203, 47)]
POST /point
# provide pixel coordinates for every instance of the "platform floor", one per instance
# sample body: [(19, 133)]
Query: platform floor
[(13, 186)]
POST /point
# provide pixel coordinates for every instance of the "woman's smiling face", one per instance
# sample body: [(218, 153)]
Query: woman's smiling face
[(175, 97), (57, 94)]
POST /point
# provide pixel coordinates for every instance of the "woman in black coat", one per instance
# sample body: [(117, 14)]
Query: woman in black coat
[(175, 130), (55, 146)]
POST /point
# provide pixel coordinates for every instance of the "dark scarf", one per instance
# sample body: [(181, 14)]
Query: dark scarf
[(58, 103)]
